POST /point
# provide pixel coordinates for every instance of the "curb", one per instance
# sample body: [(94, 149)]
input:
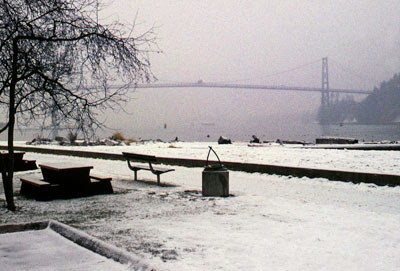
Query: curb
[(84, 240), (8, 228)]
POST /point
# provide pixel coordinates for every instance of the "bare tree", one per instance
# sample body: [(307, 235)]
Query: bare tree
[(56, 58)]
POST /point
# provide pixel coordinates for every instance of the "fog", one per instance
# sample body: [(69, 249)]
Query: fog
[(232, 40), (271, 42), (249, 42)]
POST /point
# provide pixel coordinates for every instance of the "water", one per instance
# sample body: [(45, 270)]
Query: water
[(265, 129), (272, 130), (207, 114)]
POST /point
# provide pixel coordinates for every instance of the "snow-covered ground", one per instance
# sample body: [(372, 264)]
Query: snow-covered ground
[(274, 154), (47, 250), (270, 223)]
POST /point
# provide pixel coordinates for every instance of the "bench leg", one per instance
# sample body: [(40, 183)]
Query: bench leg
[(136, 175), (158, 179), (24, 189), (102, 187)]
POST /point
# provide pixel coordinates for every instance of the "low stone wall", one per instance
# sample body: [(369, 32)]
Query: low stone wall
[(336, 175)]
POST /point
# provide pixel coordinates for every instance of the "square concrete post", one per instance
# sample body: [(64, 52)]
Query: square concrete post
[(215, 183)]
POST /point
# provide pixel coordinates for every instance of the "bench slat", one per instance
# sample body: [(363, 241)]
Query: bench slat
[(139, 157), (156, 169), (163, 170), (141, 167), (34, 182), (98, 178)]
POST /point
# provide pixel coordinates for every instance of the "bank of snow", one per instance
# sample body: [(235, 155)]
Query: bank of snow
[(271, 223)]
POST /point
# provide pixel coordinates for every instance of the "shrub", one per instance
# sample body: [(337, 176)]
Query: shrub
[(118, 136), (130, 140), (72, 136)]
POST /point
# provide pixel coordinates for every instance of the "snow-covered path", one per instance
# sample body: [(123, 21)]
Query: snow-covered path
[(271, 223)]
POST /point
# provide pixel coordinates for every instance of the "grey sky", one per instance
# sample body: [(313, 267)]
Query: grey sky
[(245, 42), (218, 40)]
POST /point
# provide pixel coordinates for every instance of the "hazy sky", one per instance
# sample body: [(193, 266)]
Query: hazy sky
[(218, 40), (246, 42)]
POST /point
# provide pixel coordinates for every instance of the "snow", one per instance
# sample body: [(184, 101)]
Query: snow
[(273, 154), (47, 250), (270, 223)]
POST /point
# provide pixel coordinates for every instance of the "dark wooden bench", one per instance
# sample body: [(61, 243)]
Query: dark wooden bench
[(26, 165), (99, 178), (101, 185), (130, 157), (35, 187), (34, 181)]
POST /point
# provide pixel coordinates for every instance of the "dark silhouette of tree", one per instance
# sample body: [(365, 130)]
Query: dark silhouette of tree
[(383, 105), (56, 58), (339, 111), (380, 107)]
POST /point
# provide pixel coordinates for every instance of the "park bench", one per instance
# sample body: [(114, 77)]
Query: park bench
[(98, 178), (26, 165), (101, 185), (130, 157), (35, 187), (34, 182)]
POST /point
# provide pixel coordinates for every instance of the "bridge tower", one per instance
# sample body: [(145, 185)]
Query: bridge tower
[(325, 95)]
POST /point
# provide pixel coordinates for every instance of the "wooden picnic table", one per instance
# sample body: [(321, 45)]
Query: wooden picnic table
[(65, 180), (65, 173), (18, 155), (19, 163)]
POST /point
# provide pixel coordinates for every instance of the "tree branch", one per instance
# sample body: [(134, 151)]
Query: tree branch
[(4, 128)]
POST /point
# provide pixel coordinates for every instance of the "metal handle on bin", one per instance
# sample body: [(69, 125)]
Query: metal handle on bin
[(211, 149)]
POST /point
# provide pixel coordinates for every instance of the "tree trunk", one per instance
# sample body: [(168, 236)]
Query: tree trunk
[(9, 171), (8, 181), (4, 177)]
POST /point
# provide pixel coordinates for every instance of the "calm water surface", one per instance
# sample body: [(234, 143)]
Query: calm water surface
[(241, 131), (273, 130), (205, 115)]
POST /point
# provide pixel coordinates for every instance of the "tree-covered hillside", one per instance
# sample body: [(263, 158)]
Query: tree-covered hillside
[(383, 105)]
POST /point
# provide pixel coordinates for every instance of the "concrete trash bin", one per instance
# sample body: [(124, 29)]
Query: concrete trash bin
[(215, 183), (215, 179)]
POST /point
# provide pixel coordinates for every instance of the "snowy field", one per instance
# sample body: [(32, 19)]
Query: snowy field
[(273, 154), (269, 223)]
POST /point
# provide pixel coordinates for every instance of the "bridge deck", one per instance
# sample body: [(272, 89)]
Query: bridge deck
[(248, 86)]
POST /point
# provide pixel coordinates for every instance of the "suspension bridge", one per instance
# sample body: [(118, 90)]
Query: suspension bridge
[(249, 86), (327, 93)]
